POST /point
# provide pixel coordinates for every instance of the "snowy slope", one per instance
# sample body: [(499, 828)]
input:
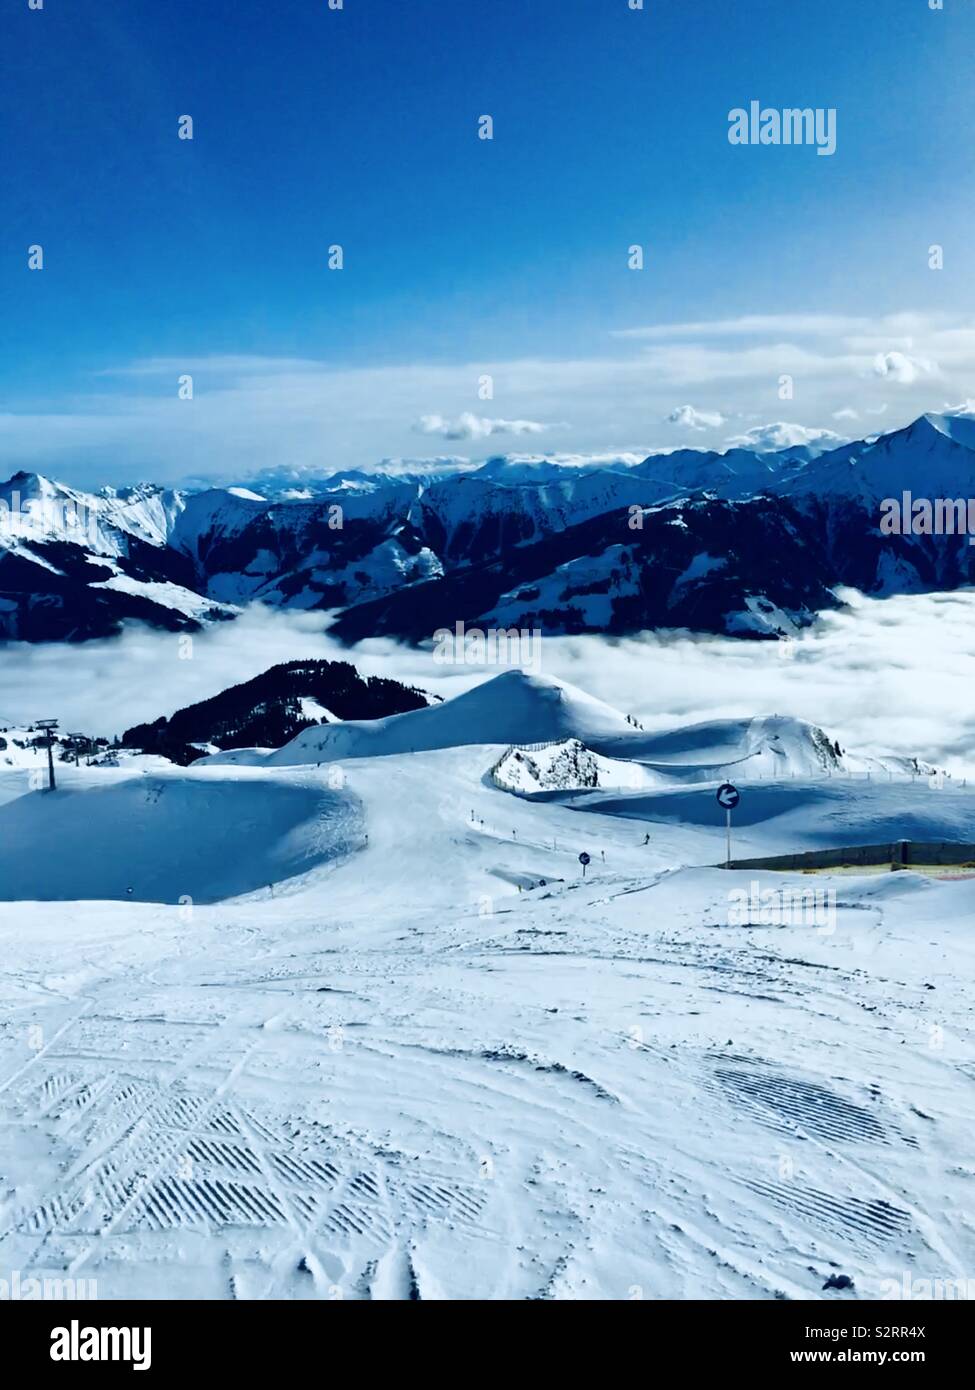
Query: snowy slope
[(175, 598), (774, 746), (932, 457), (104, 523), (441, 1064), (518, 708), (74, 565), (511, 707), (18, 749), (789, 817), (186, 839), (765, 747)]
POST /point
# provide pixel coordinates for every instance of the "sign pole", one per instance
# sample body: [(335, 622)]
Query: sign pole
[(728, 796)]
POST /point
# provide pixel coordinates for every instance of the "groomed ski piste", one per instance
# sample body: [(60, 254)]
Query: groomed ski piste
[(346, 1019)]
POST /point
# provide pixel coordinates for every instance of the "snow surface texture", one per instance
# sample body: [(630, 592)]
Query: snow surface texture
[(413, 1053)]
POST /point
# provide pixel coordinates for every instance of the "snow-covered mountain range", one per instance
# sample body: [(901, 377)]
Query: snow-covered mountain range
[(745, 542)]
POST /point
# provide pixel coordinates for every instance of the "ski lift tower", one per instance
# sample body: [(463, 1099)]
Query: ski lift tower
[(49, 725), (80, 741)]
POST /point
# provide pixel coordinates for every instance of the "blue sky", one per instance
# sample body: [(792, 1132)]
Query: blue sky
[(464, 256)]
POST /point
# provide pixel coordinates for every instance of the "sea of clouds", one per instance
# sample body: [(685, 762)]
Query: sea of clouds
[(884, 676)]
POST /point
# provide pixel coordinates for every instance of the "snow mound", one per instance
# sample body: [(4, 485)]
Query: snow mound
[(764, 748), (236, 757), (565, 766), (170, 838), (513, 707)]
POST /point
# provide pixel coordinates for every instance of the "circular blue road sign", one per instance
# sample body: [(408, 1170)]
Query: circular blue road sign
[(728, 796), (584, 858)]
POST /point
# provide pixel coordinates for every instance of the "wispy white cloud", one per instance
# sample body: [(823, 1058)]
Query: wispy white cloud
[(470, 426), (764, 325), (688, 417), (217, 365), (901, 368), (834, 326), (249, 414)]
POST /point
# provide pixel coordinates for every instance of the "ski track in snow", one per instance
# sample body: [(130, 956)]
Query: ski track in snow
[(401, 1077)]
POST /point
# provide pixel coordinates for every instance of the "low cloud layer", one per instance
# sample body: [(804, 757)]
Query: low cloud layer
[(883, 676)]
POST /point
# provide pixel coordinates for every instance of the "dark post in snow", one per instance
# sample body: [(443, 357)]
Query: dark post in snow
[(583, 860), (49, 725)]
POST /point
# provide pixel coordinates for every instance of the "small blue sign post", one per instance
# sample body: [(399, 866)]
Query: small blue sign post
[(584, 860), (728, 796)]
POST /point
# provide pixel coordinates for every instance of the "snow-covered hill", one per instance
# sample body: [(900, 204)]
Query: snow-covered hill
[(186, 840), (510, 707), (565, 765), (524, 710), (772, 747), (271, 708)]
